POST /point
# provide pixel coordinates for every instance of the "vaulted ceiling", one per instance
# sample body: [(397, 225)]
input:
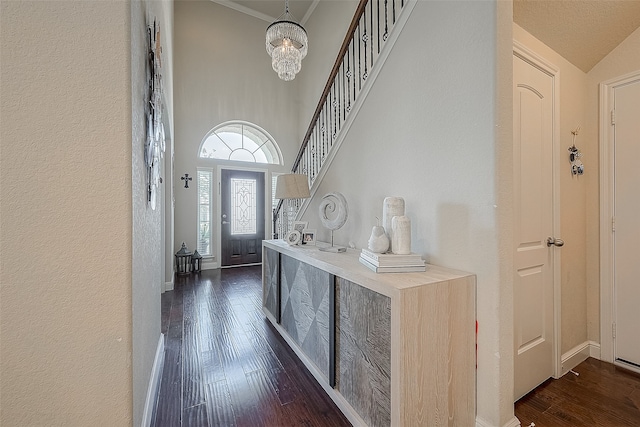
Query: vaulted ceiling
[(582, 31)]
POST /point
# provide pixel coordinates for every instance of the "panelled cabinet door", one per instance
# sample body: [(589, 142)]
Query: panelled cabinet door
[(271, 277), (304, 309), (336, 315), (363, 348)]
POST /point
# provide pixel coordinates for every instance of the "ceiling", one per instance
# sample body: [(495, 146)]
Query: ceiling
[(581, 31), (270, 10)]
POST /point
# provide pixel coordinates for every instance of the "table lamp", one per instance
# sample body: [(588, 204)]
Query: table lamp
[(291, 186)]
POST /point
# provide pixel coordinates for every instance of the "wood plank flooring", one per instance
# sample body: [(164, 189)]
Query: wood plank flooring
[(225, 365), (602, 395)]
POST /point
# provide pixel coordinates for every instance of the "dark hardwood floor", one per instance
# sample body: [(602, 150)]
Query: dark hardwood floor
[(225, 365), (602, 395)]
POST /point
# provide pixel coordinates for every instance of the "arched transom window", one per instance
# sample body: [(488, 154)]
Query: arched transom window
[(240, 141)]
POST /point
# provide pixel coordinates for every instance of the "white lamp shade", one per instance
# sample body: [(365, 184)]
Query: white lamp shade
[(292, 186)]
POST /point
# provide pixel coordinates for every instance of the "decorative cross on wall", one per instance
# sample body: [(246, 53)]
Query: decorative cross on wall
[(186, 178)]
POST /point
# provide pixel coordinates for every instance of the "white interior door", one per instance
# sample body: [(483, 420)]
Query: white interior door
[(533, 115), (626, 100)]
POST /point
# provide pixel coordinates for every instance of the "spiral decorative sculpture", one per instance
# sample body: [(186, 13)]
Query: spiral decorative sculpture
[(333, 211)]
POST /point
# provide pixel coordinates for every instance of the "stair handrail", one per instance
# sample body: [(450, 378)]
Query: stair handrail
[(325, 94), (386, 13), (332, 77)]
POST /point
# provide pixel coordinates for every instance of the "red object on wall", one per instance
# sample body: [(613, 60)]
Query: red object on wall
[(476, 345)]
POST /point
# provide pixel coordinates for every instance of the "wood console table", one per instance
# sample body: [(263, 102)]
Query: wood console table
[(389, 349)]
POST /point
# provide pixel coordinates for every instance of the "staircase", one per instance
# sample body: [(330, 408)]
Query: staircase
[(369, 39)]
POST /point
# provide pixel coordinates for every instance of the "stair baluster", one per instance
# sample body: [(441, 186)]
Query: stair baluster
[(367, 34)]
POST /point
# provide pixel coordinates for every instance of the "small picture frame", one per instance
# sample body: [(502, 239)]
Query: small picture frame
[(293, 237), (300, 226), (308, 237)]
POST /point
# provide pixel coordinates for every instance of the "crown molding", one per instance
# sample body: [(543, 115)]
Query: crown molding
[(246, 10), (263, 16)]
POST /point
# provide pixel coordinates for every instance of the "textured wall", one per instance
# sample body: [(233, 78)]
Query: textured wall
[(622, 60), (433, 130), (147, 229), (65, 237), (573, 190), (223, 72), (580, 208)]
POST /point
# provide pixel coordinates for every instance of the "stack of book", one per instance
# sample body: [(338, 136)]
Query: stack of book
[(392, 263)]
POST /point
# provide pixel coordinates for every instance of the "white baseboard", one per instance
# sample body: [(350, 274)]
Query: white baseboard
[(627, 366), (513, 422), (206, 265), (168, 286), (579, 354), (210, 265), (154, 383), (594, 350), (482, 423)]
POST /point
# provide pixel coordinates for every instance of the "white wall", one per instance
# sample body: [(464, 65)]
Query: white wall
[(622, 60), (147, 228), (222, 73), (326, 29), (579, 106), (66, 208), (573, 191), (433, 130)]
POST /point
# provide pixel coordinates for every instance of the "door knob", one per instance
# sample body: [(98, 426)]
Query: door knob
[(225, 222), (554, 241)]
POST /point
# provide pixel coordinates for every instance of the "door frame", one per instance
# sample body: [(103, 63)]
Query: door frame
[(528, 55), (607, 169), (267, 203)]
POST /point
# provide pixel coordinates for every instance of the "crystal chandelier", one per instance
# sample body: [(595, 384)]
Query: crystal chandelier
[(287, 45)]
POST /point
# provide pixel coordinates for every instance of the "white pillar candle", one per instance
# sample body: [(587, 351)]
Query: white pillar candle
[(401, 226), (393, 206)]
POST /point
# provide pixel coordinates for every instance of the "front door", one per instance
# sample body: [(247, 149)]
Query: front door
[(626, 100), (242, 223), (533, 103)]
